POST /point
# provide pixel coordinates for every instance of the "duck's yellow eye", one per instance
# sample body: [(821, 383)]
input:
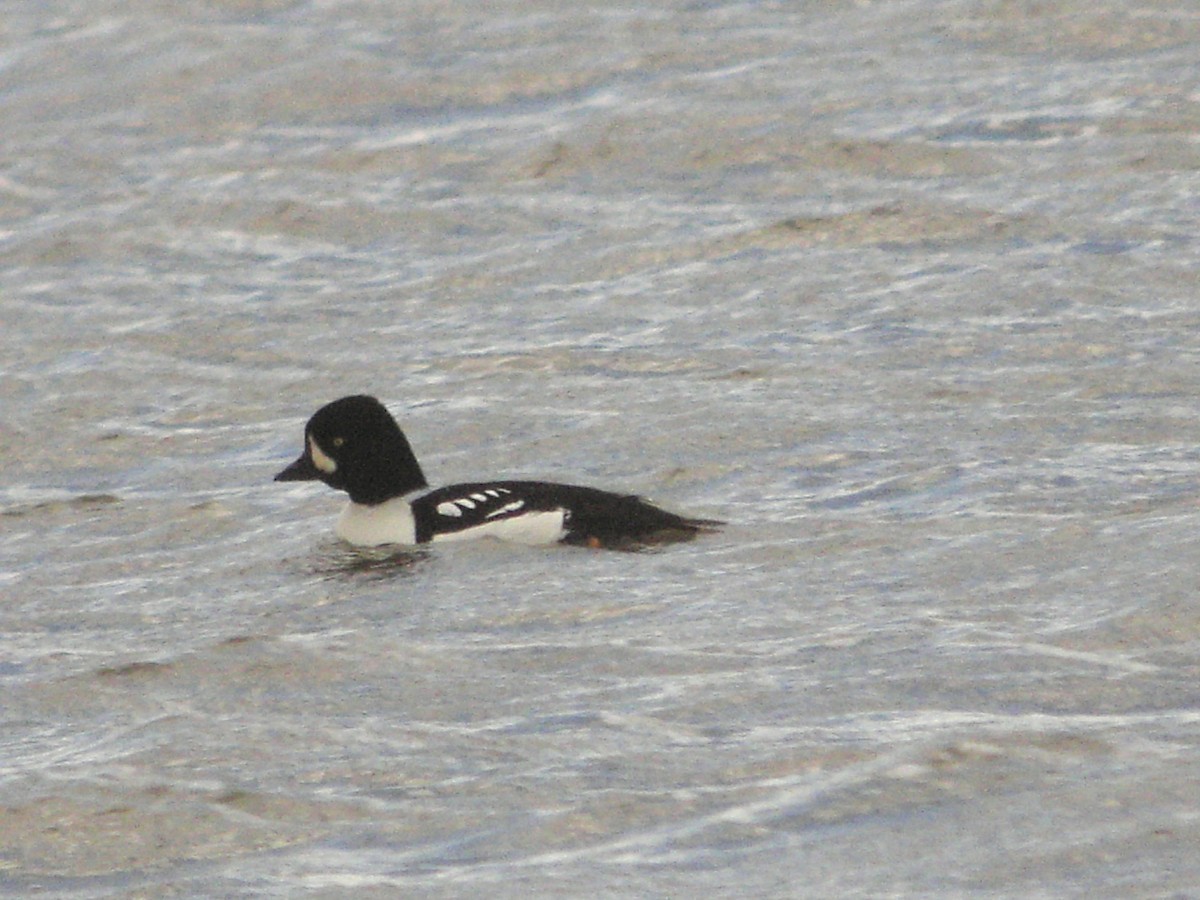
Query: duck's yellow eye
[(338, 441)]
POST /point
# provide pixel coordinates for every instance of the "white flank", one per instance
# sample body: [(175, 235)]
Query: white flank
[(544, 527), (320, 458), (369, 526)]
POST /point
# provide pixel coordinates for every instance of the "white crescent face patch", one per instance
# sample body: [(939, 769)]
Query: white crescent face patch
[(320, 458)]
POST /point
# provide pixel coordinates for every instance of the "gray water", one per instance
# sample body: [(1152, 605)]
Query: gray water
[(906, 291)]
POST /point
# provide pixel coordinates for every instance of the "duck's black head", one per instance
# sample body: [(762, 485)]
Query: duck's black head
[(354, 445)]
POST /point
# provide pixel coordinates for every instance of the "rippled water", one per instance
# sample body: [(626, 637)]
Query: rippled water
[(904, 290)]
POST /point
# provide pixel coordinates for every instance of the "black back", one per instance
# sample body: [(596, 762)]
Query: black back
[(592, 516)]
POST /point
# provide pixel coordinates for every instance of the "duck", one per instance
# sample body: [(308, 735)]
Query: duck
[(355, 445)]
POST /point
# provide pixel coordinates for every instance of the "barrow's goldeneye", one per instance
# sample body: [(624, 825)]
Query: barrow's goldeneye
[(354, 445)]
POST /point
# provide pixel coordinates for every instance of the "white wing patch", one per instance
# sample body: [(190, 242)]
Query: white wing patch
[(506, 508), (454, 508)]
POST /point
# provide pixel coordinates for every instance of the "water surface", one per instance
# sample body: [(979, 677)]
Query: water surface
[(905, 291)]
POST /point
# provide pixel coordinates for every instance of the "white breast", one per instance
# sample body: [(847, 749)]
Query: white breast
[(386, 523)]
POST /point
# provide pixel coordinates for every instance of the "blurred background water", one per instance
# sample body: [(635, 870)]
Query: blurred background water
[(904, 289)]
